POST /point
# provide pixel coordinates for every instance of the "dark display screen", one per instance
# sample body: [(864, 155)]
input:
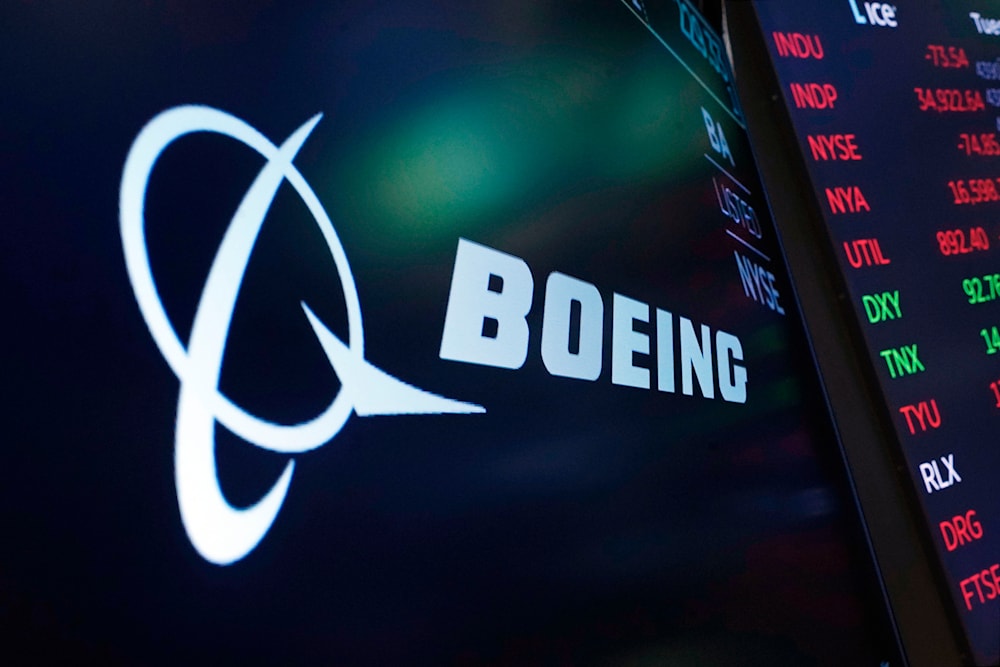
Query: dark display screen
[(895, 110), (406, 333)]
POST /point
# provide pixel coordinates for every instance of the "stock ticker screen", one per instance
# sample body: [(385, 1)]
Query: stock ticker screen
[(895, 110), (435, 333)]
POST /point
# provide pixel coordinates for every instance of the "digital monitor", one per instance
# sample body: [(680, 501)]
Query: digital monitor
[(883, 119), (406, 333)]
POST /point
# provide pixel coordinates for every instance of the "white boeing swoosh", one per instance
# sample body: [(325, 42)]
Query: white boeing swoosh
[(221, 533)]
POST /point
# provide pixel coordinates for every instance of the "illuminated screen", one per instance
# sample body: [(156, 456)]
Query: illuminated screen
[(405, 333), (894, 109)]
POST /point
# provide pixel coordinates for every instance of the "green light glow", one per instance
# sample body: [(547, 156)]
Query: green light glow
[(444, 165), (478, 147)]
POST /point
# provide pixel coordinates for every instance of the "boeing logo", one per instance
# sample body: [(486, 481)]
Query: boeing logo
[(221, 533)]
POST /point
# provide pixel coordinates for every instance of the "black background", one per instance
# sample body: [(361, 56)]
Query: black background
[(573, 523)]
